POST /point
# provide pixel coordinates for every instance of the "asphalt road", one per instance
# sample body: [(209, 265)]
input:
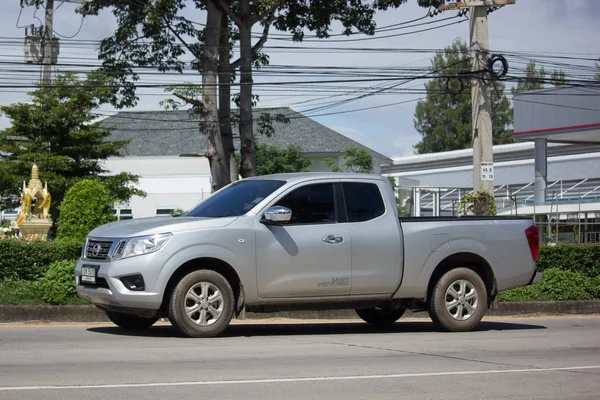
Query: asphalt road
[(538, 358)]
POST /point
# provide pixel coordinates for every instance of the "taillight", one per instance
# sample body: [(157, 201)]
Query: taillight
[(533, 238)]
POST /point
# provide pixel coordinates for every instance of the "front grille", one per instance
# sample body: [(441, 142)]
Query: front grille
[(97, 250)]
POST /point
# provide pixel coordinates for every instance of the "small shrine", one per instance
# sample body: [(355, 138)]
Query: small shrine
[(34, 220)]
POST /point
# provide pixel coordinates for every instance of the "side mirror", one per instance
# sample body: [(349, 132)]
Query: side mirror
[(277, 215)]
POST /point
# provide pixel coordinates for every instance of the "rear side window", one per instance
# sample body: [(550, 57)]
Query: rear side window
[(363, 201)]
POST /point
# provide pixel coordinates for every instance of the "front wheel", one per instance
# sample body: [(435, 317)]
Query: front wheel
[(201, 304), (130, 322), (458, 300), (379, 316)]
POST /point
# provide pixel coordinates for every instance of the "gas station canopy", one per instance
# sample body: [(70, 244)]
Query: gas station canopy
[(560, 114)]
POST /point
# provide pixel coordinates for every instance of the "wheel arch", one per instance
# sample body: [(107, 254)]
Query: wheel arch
[(213, 264), (467, 260)]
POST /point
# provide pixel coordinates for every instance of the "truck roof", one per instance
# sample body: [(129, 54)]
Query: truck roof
[(304, 176)]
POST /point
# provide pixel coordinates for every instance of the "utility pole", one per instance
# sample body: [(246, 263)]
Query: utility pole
[(481, 99), (47, 44)]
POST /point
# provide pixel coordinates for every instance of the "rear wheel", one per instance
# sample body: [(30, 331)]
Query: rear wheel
[(129, 321), (458, 301), (379, 316), (201, 304)]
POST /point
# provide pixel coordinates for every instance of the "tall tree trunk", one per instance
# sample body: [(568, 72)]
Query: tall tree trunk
[(248, 167), (225, 73), (219, 167)]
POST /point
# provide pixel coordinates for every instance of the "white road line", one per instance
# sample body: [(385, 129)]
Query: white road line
[(306, 379)]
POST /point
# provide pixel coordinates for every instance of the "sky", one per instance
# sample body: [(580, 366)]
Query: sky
[(568, 27)]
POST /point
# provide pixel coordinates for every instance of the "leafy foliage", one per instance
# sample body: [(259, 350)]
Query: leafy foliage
[(444, 118), (536, 79), (556, 285), (156, 33), (57, 285), (20, 292), (571, 272), (57, 130), (481, 203), (21, 260), (356, 159), (86, 206), (271, 160), (584, 259)]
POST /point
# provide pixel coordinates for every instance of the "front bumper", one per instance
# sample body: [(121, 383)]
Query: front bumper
[(110, 291), (537, 276)]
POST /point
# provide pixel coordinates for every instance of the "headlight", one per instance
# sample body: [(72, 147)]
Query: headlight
[(144, 245)]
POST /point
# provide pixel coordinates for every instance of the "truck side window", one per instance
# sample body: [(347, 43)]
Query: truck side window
[(311, 204), (363, 201)]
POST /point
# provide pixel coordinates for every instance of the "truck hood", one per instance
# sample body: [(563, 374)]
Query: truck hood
[(153, 225)]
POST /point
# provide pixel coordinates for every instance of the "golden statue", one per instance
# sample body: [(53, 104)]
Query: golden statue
[(34, 219)]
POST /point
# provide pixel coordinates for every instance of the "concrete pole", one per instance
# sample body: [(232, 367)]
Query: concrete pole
[(541, 171), (47, 44), (483, 167)]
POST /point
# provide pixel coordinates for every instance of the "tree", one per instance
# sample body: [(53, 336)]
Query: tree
[(534, 79), (444, 118), (155, 33), (56, 130), (356, 159), (87, 205), (558, 78), (597, 76), (272, 160)]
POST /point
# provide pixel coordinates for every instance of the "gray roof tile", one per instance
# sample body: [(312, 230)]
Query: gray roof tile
[(162, 133)]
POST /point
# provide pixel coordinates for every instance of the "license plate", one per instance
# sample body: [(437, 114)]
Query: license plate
[(88, 274)]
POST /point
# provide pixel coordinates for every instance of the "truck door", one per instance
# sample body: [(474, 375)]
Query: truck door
[(311, 254), (376, 244)]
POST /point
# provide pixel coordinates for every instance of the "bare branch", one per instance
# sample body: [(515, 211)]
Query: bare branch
[(187, 46), (195, 102), (261, 42), (225, 8)]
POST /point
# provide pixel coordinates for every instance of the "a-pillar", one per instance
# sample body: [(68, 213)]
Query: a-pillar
[(541, 170)]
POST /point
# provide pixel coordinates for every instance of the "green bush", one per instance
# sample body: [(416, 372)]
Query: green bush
[(580, 258), (57, 285), (87, 205), (556, 285), (21, 260)]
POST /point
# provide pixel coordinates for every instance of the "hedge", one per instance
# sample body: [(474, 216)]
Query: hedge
[(571, 272), (21, 260), (557, 285), (579, 258)]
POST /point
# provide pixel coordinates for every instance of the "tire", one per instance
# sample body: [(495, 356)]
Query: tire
[(379, 316), (461, 309), (196, 294), (129, 321)]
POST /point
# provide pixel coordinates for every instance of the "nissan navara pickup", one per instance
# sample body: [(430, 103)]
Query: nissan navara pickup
[(304, 241)]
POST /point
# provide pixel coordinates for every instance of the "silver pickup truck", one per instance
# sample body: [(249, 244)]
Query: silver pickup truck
[(303, 241)]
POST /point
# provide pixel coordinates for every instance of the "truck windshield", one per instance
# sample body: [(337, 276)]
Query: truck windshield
[(236, 200)]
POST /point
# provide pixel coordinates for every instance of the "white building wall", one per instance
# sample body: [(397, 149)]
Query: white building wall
[(169, 182)]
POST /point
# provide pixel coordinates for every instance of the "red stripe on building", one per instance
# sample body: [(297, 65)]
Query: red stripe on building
[(553, 130)]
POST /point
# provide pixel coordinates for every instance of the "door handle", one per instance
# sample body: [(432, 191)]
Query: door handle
[(333, 239)]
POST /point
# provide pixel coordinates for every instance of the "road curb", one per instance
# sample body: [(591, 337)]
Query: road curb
[(85, 313)]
